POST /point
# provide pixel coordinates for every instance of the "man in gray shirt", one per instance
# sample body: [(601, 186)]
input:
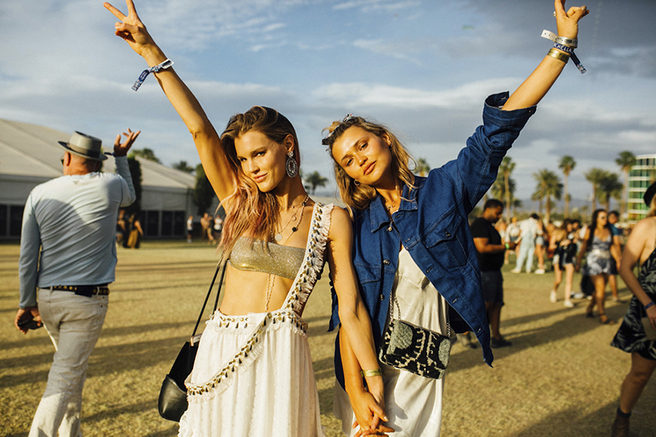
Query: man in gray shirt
[(67, 260)]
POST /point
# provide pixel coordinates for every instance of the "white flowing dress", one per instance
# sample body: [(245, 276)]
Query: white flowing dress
[(413, 403), (253, 373)]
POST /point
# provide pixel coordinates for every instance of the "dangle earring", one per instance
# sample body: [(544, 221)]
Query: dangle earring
[(291, 167), (356, 183)]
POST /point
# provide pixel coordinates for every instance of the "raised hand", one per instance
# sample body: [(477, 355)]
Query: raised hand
[(132, 30), (121, 149), (568, 22)]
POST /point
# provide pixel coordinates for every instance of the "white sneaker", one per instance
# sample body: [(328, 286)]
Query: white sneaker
[(569, 304), (539, 272), (515, 270), (553, 297)]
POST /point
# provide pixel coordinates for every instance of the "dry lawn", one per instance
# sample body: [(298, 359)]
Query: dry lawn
[(560, 377)]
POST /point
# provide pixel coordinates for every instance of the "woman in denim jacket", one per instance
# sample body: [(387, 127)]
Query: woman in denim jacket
[(413, 250)]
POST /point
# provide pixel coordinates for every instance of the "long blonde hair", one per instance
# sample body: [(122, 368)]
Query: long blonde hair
[(357, 195), (251, 212)]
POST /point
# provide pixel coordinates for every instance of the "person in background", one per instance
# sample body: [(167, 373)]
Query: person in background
[(564, 259), (540, 249), (190, 228), (491, 250), (613, 218), (598, 248), (528, 231), (632, 335), (67, 260), (512, 236)]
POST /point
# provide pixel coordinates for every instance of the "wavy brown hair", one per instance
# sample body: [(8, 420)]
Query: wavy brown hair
[(360, 196), (251, 212)]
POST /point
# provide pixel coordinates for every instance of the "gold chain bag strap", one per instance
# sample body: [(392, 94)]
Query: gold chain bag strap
[(415, 349)]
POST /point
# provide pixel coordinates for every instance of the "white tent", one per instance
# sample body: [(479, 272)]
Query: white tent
[(30, 155)]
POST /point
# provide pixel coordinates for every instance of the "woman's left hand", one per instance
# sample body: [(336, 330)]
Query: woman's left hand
[(568, 22)]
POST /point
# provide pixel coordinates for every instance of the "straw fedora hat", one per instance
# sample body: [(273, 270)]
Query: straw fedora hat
[(85, 146)]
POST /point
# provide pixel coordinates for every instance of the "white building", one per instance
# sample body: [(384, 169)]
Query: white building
[(641, 176), (30, 155)]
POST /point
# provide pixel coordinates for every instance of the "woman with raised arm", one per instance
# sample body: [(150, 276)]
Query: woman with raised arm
[(253, 371), (637, 333), (413, 250)]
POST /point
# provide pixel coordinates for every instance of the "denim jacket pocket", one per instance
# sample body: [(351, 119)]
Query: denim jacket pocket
[(367, 272), (446, 240)]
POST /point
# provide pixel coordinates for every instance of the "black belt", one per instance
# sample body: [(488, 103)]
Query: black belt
[(84, 290)]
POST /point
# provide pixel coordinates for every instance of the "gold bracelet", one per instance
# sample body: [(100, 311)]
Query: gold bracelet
[(561, 56), (368, 373)]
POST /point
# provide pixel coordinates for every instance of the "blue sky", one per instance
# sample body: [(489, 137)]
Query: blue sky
[(423, 68)]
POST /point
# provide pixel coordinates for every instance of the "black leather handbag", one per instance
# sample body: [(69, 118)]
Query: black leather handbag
[(415, 349), (172, 402)]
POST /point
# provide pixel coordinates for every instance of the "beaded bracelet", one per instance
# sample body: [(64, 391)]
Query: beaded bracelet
[(649, 305), (155, 69)]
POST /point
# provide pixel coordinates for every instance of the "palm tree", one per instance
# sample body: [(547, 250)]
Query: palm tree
[(315, 180), (566, 164), (499, 191), (626, 160), (548, 186), (422, 168), (610, 186), (505, 170), (595, 176), (183, 166)]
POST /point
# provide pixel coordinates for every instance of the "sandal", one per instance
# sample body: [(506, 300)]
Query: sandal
[(604, 320)]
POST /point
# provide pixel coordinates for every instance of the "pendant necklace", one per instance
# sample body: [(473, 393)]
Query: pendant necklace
[(278, 236)]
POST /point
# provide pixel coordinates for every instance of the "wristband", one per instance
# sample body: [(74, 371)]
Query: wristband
[(650, 304), (507, 246), (155, 69), (566, 45), (375, 372), (561, 56)]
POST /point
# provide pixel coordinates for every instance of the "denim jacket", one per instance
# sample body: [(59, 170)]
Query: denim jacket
[(431, 223)]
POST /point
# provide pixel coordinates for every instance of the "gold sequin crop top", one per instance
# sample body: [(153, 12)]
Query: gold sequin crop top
[(277, 260)]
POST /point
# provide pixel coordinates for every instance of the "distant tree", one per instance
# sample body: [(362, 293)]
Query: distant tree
[(626, 160), (135, 173), (203, 195), (505, 170), (315, 180), (610, 186), (567, 164), (499, 190), (595, 176), (548, 186), (145, 153), (183, 166), (422, 168)]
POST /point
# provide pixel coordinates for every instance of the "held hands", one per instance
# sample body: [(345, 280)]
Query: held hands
[(122, 149), (368, 409), (133, 31), (568, 22)]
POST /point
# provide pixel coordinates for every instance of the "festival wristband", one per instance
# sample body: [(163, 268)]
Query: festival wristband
[(561, 43), (649, 305), (507, 246), (560, 39), (156, 69)]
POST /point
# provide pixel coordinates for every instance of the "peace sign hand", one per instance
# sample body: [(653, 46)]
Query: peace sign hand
[(568, 22), (132, 30)]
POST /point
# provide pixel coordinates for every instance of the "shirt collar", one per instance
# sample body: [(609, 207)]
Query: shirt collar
[(378, 213)]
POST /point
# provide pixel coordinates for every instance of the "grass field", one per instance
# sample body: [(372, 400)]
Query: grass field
[(560, 377)]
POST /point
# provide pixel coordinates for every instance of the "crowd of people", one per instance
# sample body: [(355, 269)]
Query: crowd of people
[(407, 272)]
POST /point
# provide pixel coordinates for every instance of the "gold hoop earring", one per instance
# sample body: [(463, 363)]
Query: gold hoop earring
[(356, 183)]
